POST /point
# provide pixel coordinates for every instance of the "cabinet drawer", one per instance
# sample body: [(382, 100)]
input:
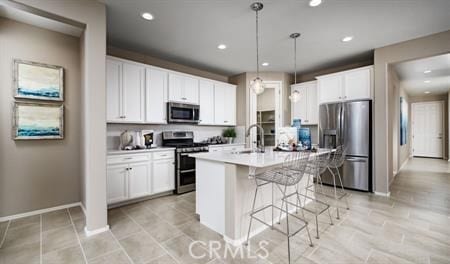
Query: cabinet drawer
[(163, 155), (117, 159)]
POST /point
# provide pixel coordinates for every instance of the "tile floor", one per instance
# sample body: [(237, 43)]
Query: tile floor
[(411, 226)]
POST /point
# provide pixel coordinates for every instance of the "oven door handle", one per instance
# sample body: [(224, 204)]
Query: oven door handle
[(184, 154), (186, 171)]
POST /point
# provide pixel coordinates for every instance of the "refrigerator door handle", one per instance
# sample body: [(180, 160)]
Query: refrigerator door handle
[(355, 160), (342, 124)]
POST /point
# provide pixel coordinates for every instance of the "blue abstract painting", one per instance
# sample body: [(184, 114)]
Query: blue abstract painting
[(38, 81), (38, 121), (403, 121)]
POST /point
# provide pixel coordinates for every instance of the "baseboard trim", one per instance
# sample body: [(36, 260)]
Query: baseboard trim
[(97, 231), (383, 194), (40, 211)]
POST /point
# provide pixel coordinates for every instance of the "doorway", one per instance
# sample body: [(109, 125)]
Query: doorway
[(428, 129)]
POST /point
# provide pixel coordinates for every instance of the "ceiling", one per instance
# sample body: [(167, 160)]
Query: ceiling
[(413, 78), (189, 31)]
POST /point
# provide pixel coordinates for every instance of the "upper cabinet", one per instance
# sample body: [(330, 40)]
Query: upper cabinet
[(225, 104), (307, 109), (138, 93), (125, 91), (156, 95), (349, 85), (183, 88)]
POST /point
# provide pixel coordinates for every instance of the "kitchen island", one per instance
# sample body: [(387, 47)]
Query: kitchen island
[(224, 191)]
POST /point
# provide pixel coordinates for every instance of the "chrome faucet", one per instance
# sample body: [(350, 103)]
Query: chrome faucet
[(259, 149)]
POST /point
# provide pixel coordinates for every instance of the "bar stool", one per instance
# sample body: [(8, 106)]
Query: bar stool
[(336, 161), (290, 174)]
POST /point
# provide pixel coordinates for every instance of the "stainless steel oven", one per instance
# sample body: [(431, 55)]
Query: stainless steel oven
[(182, 113)]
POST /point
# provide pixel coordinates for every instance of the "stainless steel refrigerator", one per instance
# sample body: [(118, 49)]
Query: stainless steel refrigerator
[(349, 124)]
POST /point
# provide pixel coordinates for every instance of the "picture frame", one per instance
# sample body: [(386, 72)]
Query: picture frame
[(34, 121), (38, 81)]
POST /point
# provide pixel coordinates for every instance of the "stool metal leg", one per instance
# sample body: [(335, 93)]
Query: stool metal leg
[(251, 217), (287, 226), (335, 193), (342, 187)]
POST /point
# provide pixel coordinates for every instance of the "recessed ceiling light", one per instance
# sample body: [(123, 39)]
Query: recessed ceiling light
[(222, 46), (427, 92), (347, 39), (427, 71), (427, 81), (147, 16), (265, 64), (314, 3)]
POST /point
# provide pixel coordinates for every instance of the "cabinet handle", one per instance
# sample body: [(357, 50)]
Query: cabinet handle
[(128, 158), (226, 121), (183, 98)]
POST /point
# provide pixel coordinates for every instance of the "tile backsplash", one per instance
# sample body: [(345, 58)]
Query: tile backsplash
[(200, 132)]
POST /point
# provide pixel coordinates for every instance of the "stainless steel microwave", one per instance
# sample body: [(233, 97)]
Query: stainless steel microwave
[(182, 113)]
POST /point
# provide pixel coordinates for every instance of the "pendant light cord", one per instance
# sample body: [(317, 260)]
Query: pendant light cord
[(257, 46), (295, 60)]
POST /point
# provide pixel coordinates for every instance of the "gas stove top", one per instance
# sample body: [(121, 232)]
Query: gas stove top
[(183, 141)]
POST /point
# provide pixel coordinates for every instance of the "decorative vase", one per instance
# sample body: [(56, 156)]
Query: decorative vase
[(229, 140)]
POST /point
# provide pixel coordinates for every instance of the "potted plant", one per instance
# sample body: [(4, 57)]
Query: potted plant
[(229, 134)]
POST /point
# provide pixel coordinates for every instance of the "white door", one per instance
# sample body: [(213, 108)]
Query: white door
[(176, 83), (299, 109), (230, 105), (116, 181), (156, 94), (190, 90), (133, 92), (206, 101), (330, 89), (219, 104), (138, 176), (113, 90), (313, 105), (163, 176), (427, 126), (357, 84)]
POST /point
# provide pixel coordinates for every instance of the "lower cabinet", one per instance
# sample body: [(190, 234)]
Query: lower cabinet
[(129, 177), (225, 147)]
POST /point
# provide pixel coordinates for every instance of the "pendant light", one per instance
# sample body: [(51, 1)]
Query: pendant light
[(295, 95), (257, 84)]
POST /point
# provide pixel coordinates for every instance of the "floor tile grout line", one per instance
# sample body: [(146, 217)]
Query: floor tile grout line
[(41, 242), (368, 255), (78, 237), (159, 244), (4, 236), (121, 247)]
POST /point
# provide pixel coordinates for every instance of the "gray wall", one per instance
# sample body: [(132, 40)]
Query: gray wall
[(42, 173), (384, 103)]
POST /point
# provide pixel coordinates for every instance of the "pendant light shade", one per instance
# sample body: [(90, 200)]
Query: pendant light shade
[(257, 84), (295, 95)]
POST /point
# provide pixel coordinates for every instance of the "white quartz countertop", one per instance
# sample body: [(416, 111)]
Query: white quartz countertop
[(257, 160), (226, 145), (135, 151)]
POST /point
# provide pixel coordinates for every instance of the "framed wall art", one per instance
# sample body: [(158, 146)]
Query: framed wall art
[(39, 81), (38, 121)]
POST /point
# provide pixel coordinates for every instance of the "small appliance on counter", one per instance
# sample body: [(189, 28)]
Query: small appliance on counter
[(147, 139), (126, 140)]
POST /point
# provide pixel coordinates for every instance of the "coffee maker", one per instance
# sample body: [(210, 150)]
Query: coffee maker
[(147, 138)]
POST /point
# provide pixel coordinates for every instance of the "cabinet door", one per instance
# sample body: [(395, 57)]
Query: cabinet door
[(116, 182), (312, 104), (176, 87), (190, 90), (299, 109), (133, 92), (138, 176), (219, 104), (330, 89), (163, 176), (230, 105), (206, 100), (113, 90), (357, 84), (156, 95)]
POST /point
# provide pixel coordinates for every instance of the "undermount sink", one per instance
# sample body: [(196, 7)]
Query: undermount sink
[(248, 151)]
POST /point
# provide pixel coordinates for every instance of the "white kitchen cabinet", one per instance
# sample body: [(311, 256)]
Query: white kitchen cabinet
[(113, 90), (356, 84), (225, 104), (307, 107), (206, 94), (163, 178), (117, 189), (156, 96), (183, 88), (139, 176), (124, 91)]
